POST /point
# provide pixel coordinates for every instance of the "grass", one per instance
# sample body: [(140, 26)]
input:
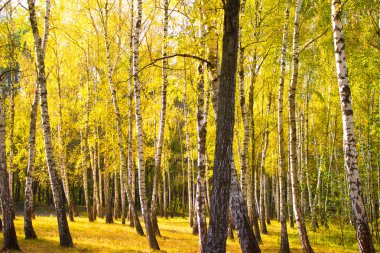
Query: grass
[(176, 237)]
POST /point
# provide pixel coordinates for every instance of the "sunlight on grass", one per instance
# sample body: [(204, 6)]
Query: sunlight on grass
[(176, 237)]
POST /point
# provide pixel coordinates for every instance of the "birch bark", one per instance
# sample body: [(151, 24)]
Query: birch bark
[(284, 247), (140, 149), (363, 233), (305, 244), (40, 47)]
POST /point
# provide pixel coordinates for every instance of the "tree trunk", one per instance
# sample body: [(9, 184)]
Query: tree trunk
[(122, 157), (165, 202), (11, 146), (200, 198), (85, 182), (224, 131), (122, 194), (244, 176), (95, 193), (62, 148), (116, 210), (284, 247), (263, 183), (40, 45), (107, 193), (153, 244), (100, 180), (363, 233), (189, 181), (28, 204), (305, 244), (157, 157), (9, 232), (248, 242), (131, 168)]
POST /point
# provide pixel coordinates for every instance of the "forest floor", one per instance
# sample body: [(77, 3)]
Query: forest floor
[(176, 237)]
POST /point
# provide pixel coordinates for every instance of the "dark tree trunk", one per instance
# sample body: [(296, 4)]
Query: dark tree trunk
[(224, 131), (248, 242), (9, 232), (108, 196)]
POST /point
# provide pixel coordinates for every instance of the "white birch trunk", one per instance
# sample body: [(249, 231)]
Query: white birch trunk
[(40, 47), (305, 244), (140, 149), (363, 233)]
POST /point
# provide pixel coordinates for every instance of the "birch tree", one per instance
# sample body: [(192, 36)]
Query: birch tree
[(363, 233), (28, 202), (153, 244), (281, 160), (304, 239), (40, 47), (161, 128), (9, 231)]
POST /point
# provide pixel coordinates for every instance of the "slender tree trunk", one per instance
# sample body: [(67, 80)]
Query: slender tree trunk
[(189, 181), (62, 148), (100, 179), (253, 185), (122, 194), (107, 193), (263, 201), (305, 244), (9, 232), (165, 202), (153, 244), (224, 131), (200, 199), (85, 182), (157, 157), (116, 210), (363, 233), (284, 247), (310, 201), (11, 146), (244, 176), (28, 203), (131, 168), (123, 159), (169, 195), (315, 206), (40, 46), (91, 151)]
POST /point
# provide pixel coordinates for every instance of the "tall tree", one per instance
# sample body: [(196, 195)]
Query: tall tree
[(304, 239), (140, 149), (363, 233), (28, 203), (200, 197), (263, 177), (161, 128), (217, 235), (9, 232), (123, 159), (284, 248), (40, 47)]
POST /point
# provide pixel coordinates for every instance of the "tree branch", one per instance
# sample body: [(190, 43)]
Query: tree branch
[(5, 4), (313, 40)]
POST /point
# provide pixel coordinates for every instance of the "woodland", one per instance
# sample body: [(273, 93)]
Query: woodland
[(190, 126)]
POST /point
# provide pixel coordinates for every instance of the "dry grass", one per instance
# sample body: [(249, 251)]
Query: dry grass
[(177, 237)]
